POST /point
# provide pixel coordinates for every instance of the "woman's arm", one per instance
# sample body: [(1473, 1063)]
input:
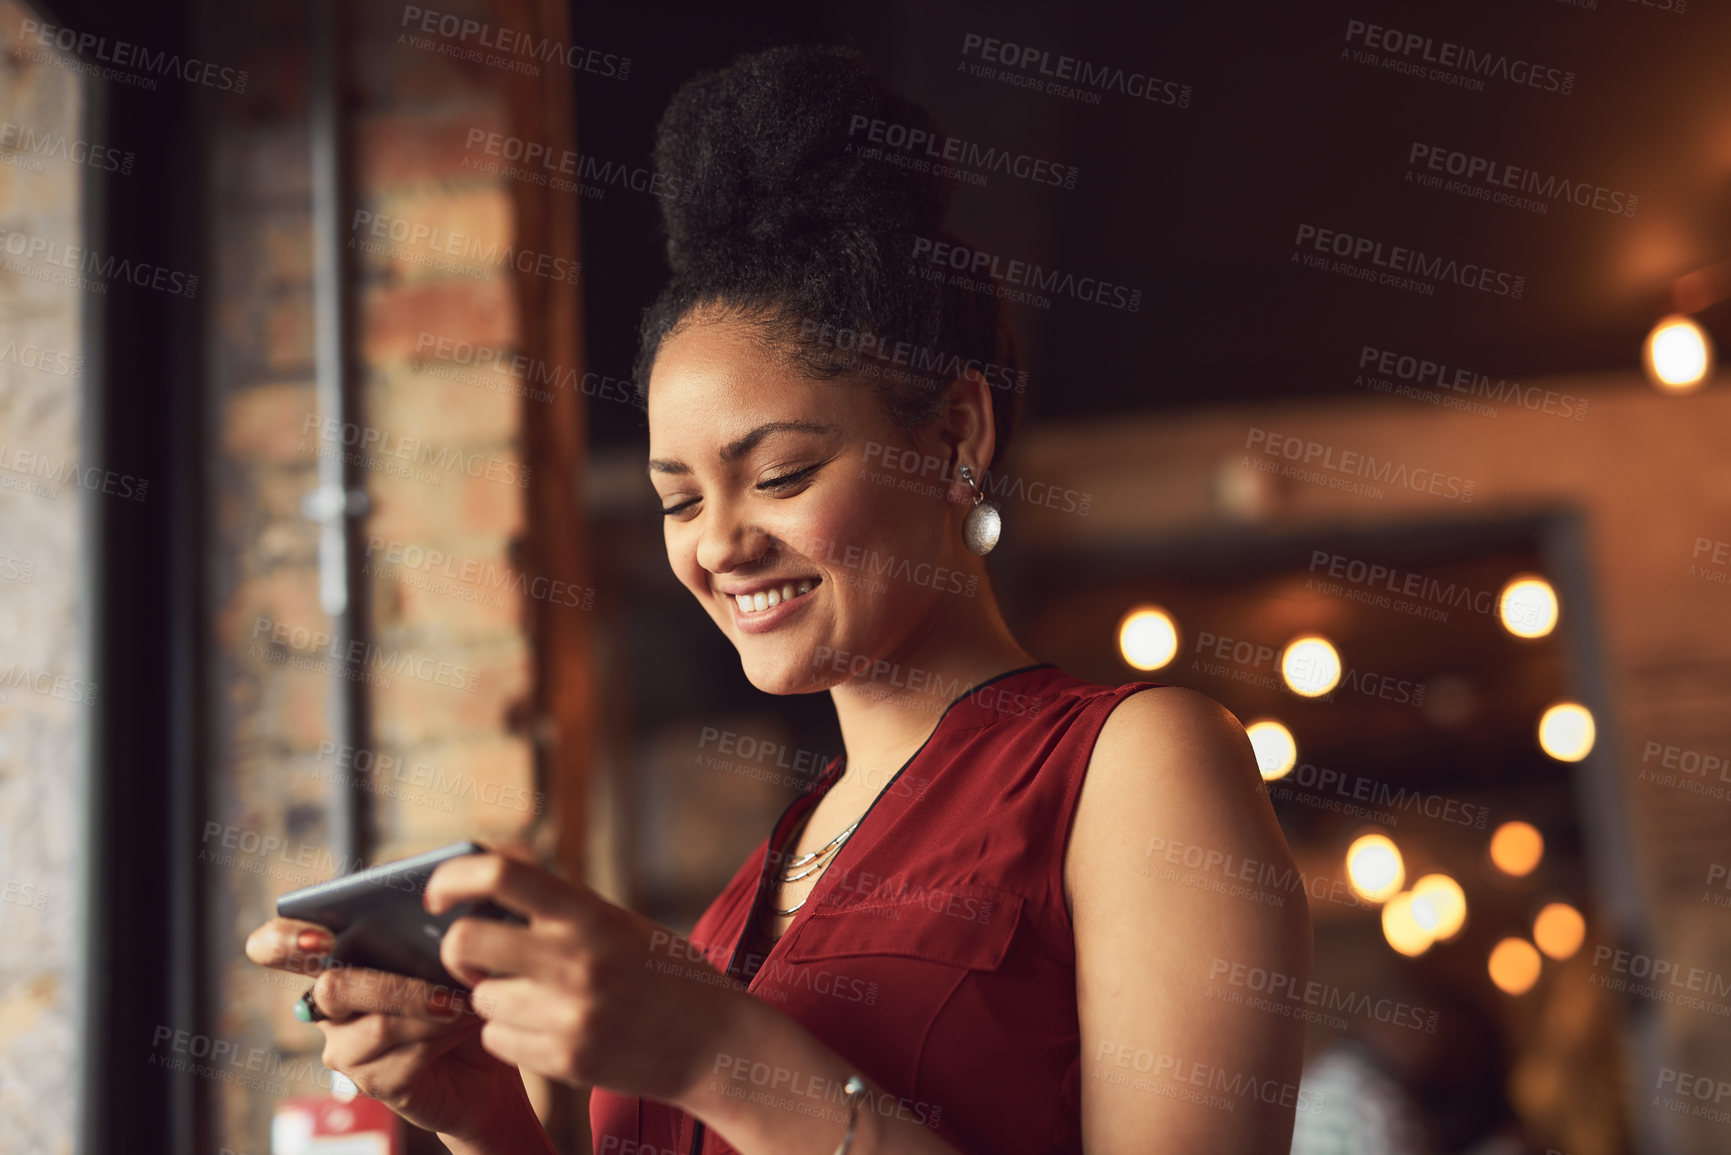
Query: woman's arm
[(518, 1132), (770, 1087), (591, 994), (1187, 911)]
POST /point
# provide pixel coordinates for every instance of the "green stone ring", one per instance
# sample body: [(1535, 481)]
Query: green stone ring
[(308, 1011)]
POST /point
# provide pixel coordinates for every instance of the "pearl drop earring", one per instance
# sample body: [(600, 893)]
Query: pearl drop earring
[(981, 528)]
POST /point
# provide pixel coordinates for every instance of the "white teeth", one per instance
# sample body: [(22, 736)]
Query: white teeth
[(752, 603)]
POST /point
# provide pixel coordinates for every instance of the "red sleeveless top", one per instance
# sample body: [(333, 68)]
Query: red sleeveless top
[(936, 952)]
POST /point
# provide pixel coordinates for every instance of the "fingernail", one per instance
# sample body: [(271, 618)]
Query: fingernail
[(314, 941)]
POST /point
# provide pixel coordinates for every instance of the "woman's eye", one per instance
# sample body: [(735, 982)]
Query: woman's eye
[(787, 479), (773, 484)]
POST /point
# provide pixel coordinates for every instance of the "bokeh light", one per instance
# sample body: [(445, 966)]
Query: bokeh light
[(1559, 930), (1439, 905), (1514, 966), (1276, 752), (1310, 665), (1148, 638), (1678, 355), (1516, 848), (1400, 926), (1527, 607), (1374, 867), (1566, 732)]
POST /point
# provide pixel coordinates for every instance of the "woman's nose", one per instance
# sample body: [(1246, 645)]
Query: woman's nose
[(727, 542)]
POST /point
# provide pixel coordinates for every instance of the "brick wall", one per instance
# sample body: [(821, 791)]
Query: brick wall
[(467, 739), (45, 539)]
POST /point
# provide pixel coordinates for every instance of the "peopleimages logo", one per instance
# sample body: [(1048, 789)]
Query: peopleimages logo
[(909, 469), (41, 359), (1281, 991), (28, 463), (1686, 769), (1014, 277), (1068, 76), (1661, 979), (1426, 57), (950, 156), (475, 578), (395, 449), (1385, 586), (470, 253), (57, 146), (299, 644), (1336, 788), (41, 258), (1174, 1070), (545, 165), (1406, 374), (905, 361), (459, 32), (1500, 181), (1423, 270), (1352, 463), (122, 54)]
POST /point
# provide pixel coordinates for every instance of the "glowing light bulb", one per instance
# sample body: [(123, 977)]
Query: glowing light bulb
[(1148, 638), (1516, 848), (1678, 355), (1527, 606), (1374, 867), (1559, 930), (1439, 905), (1310, 665), (1566, 732), (1514, 966), (1402, 927), (1276, 752)]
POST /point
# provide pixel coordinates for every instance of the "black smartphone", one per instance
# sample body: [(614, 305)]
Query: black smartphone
[(378, 919)]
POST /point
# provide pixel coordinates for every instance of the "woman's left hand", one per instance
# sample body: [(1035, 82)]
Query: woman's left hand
[(588, 993)]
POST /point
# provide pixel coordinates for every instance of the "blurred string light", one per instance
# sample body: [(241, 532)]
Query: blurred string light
[(1516, 848), (1566, 732), (1559, 930), (1148, 638), (1678, 355), (1374, 868), (1514, 966), (1439, 905), (1276, 752), (1310, 665), (1402, 928), (1527, 606)]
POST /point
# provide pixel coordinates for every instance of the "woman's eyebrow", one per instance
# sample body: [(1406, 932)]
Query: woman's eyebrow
[(734, 450)]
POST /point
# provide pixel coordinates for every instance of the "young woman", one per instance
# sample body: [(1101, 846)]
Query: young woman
[(1010, 918)]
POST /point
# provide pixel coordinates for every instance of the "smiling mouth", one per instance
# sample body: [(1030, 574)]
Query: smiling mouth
[(774, 596)]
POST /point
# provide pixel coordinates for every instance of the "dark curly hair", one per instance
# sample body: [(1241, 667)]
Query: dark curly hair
[(789, 219)]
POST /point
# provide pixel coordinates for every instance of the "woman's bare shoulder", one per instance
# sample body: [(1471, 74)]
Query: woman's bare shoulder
[(1173, 779)]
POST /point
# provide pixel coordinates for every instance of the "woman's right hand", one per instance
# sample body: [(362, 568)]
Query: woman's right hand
[(413, 1046)]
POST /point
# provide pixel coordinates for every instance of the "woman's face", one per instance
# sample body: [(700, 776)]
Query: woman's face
[(774, 484)]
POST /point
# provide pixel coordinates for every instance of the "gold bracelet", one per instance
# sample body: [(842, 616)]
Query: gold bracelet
[(856, 1089)]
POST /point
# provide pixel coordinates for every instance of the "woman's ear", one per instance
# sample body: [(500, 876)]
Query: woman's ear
[(965, 427)]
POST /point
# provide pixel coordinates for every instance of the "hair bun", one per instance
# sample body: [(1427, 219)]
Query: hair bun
[(765, 157)]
